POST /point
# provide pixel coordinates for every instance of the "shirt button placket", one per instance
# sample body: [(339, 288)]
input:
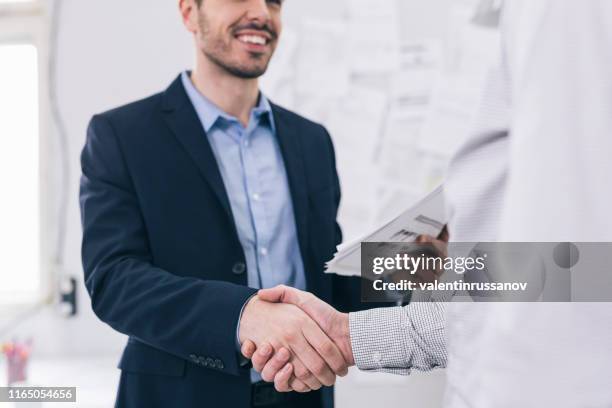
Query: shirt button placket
[(248, 173)]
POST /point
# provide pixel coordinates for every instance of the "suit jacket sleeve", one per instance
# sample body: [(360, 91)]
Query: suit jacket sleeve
[(186, 317)]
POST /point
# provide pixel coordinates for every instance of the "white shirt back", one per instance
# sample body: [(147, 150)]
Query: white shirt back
[(537, 168)]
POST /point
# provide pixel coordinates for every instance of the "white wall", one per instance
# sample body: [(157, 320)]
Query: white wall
[(115, 51), (109, 53)]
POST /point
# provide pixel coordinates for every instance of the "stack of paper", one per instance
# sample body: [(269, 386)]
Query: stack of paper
[(427, 217)]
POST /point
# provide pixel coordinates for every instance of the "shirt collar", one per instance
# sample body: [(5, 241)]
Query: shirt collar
[(209, 113)]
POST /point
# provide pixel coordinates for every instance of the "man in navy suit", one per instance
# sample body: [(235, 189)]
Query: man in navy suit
[(194, 198)]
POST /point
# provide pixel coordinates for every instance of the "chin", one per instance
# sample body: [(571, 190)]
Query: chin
[(245, 73), (248, 71)]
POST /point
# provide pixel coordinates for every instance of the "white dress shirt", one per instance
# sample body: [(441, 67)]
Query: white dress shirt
[(536, 168)]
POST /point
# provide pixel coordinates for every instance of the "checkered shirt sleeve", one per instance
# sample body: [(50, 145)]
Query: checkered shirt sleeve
[(398, 339)]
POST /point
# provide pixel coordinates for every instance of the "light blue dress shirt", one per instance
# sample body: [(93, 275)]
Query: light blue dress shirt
[(254, 175)]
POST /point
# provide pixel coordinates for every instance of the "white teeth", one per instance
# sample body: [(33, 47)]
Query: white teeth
[(252, 39)]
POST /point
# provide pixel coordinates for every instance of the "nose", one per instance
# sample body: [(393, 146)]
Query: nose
[(258, 11)]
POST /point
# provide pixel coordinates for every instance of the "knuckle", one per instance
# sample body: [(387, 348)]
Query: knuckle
[(277, 362), (266, 376), (319, 368), (281, 387), (300, 387), (327, 348), (257, 359), (314, 384), (303, 375), (283, 356), (258, 363), (281, 383)]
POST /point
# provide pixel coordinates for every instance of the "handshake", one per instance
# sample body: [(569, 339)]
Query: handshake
[(295, 339), (300, 342)]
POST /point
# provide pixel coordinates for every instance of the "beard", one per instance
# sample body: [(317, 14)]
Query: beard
[(220, 53), (240, 70)]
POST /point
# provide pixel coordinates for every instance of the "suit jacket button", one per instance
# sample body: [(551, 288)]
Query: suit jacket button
[(238, 268), (219, 364)]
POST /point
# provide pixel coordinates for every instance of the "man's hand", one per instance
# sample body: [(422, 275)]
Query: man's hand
[(294, 336), (277, 367)]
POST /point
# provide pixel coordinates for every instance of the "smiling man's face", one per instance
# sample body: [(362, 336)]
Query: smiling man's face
[(239, 36)]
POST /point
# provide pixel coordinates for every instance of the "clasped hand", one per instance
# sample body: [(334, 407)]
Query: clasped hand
[(295, 340), (300, 342)]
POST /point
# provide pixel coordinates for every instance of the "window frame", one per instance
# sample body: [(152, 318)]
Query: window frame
[(27, 23)]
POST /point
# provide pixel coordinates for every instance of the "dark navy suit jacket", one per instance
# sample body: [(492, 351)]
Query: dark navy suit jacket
[(161, 254)]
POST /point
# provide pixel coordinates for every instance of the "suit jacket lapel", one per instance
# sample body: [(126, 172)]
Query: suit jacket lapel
[(289, 140), (181, 117)]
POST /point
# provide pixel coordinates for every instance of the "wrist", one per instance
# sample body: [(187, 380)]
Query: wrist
[(344, 338), (244, 325)]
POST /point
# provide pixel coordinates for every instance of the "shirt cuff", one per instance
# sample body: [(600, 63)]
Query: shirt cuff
[(377, 339)]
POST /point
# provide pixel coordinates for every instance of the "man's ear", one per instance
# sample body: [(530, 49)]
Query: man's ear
[(189, 10)]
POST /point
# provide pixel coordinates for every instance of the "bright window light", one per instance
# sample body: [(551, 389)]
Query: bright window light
[(19, 174)]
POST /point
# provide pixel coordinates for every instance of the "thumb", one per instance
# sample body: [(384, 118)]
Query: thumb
[(282, 294)]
